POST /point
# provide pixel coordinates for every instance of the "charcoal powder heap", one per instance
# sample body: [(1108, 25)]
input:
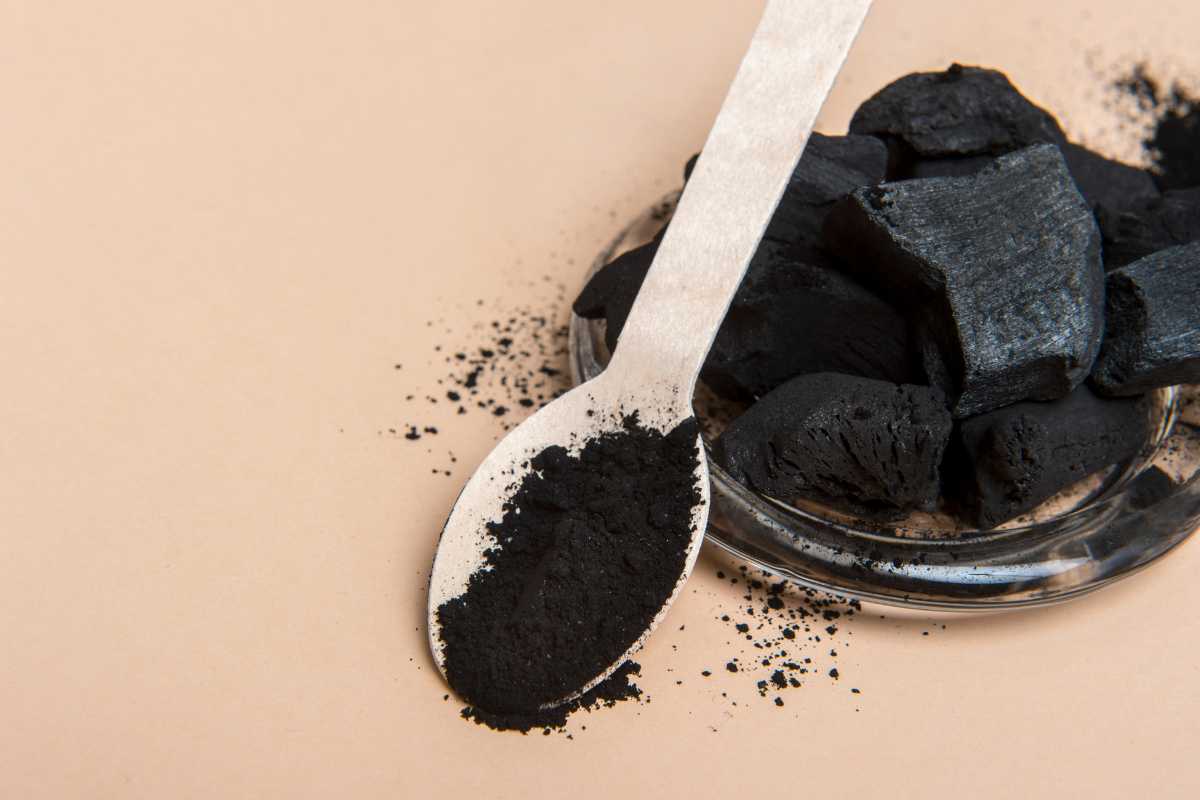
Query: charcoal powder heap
[(589, 549)]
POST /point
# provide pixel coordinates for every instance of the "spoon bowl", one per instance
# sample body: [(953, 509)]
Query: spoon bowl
[(583, 413)]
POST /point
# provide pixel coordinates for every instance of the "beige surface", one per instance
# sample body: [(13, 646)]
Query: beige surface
[(222, 223)]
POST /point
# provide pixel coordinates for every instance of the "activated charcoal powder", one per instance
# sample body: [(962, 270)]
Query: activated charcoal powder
[(590, 546)]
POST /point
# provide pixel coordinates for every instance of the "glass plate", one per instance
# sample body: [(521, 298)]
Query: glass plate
[(1107, 527)]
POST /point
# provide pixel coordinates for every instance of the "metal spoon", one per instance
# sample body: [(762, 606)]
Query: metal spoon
[(750, 154)]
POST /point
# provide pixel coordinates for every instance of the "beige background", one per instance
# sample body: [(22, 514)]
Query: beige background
[(221, 223)]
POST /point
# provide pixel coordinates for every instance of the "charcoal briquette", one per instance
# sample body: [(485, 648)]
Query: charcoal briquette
[(830, 168), (1152, 327), (963, 111), (1007, 462), (610, 293), (1108, 183), (1156, 224), (795, 313), (1001, 271), (871, 445)]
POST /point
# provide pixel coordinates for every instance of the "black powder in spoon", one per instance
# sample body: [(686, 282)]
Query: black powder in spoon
[(606, 694), (589, 548)]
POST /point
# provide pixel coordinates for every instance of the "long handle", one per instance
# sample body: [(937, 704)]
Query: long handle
[(751, 151)]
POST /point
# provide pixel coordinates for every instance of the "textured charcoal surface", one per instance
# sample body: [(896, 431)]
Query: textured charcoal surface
[(1152, 328), (793, 317), (610, 293), (1104, 182), (589, 548), (1002, 271), (1137, 231), (795, 313), (1005, 463), (872, 445), (962, 111), (830, 168)]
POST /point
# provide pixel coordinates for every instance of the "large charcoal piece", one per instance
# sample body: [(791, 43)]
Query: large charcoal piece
[(1002, 271), (610, 293), (1107, 183), (1135, 231), (1152, 329), (794, 314), (964, 111), (1007, 462), (869, 444), (830, 168)]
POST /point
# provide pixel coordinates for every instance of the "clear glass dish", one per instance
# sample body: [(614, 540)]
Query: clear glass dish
[(1104, 529)]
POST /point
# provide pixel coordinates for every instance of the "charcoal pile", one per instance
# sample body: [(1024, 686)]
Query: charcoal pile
[(954, 308)]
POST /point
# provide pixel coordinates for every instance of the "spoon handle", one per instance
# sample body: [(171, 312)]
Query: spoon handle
[(750, 154)]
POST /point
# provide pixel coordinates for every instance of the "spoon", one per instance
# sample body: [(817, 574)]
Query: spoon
[(751, 152)]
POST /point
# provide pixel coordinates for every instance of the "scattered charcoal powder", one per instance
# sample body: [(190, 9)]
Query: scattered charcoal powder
[(1172, 140), (516, 360), (590, 547), (783, 644)]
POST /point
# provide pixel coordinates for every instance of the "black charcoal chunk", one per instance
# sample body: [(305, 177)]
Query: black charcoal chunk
[(869, 445), (1108, 183), (1001, 270), (794, 313), (1007, 462), (830, 168), (1152, 328), (610, 293), (963, 111), (1134, 232)]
